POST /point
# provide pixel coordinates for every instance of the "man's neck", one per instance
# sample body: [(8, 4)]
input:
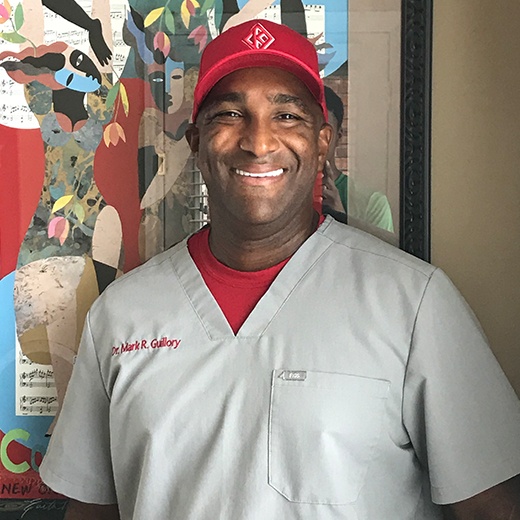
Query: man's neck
[(253, 248)]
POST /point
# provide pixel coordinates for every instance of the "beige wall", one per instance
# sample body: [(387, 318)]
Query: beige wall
[(476, 163)]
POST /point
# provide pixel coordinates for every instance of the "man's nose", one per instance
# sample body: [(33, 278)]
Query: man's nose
[(259, 138)]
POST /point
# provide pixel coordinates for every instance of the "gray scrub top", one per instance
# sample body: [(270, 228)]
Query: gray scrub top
[(360, 387)]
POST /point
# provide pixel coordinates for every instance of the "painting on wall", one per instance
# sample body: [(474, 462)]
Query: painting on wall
[(96, 176), (361, 179), (373, 200)]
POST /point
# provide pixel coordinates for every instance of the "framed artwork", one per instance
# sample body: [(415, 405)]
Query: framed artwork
[(96, 176), (384, 143)]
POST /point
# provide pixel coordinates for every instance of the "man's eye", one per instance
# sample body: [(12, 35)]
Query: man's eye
[(288, 117), (232, 114), (79, 59)]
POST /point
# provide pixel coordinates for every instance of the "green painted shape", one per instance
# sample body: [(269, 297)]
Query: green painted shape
[(8, 464)]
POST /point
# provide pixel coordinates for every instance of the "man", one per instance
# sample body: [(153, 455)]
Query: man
[(233, 377), (340, 194)]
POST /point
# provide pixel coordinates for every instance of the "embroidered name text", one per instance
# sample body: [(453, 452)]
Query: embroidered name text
[(145, 344)]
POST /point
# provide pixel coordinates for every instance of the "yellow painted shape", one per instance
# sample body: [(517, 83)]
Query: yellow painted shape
[(35, 345)]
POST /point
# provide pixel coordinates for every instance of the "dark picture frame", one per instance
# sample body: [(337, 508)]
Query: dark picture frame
[(415, 160)]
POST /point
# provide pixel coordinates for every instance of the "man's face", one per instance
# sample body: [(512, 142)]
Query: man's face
[(261, 140)]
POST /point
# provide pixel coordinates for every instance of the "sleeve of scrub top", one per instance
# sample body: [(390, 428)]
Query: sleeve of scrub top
[(461, 413), (78, 463)]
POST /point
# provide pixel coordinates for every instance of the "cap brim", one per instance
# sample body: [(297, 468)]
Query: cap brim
[(254, 58)]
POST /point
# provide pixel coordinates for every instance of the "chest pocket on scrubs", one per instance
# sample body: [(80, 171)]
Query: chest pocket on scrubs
[(323, 433)]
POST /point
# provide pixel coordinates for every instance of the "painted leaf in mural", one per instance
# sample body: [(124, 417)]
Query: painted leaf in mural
[(208, 4), (79, 211), (120, 131), (192, 5), (169, 21), (5, 11), (112, 133), (58, 227), (161, 42), (124, 99), (61, 203), (13, 37), (51, 227), (18, 17), (200, 36), (106, 135), (112, 94), (188, 8), (65, 232), (185, 14), (152, 16)]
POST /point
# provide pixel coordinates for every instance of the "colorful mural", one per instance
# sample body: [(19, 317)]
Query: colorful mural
[(96, 176)]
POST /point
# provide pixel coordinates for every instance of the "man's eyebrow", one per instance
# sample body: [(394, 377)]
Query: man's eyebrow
[(236, 97), (288, 99), (230, 97)]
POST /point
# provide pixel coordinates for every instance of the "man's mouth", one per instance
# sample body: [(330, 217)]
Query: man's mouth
[(273, 173)]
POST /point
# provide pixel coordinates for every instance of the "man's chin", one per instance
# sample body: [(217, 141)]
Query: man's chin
[(261, 217), (250, 212)]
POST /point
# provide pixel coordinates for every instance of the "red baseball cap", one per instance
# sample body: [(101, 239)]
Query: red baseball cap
[(258, 43)]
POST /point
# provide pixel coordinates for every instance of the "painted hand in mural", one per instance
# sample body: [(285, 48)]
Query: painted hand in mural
[(71, 11)]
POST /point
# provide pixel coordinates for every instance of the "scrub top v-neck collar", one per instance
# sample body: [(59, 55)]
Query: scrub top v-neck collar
[(207, 309)]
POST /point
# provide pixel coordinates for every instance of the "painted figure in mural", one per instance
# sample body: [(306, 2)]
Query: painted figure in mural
[(341, 195), (166, 42), (72, 249), (208, 385), (167, 57)]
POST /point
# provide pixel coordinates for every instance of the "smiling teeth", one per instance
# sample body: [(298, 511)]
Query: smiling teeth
[(274, 173)]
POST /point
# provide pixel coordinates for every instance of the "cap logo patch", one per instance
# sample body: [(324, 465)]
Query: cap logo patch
[(259, 37)]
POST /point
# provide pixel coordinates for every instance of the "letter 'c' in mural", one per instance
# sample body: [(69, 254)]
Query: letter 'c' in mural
[(96, 176)]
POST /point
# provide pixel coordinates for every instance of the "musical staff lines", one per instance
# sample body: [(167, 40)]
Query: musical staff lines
[(40, 405), (35, 387), (37, 379)]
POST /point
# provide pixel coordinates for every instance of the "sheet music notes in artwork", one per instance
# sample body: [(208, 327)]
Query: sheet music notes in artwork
[(35, 387)]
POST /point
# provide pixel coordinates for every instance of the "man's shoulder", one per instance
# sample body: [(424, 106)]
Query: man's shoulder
[(140, 281), (371, 250)]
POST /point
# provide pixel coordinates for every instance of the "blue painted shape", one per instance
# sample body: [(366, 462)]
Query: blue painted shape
[(336, 29), (36, 426)]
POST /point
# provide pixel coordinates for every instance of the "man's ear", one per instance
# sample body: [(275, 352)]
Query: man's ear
[(192, 136), (324, 139)]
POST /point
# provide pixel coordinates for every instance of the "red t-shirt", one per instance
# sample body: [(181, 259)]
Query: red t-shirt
[(236, 292)]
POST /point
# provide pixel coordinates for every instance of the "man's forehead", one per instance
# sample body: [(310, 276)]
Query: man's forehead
[(278, 86)]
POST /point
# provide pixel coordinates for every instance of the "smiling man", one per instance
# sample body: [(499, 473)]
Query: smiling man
[(318, 373), (261, 138)]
